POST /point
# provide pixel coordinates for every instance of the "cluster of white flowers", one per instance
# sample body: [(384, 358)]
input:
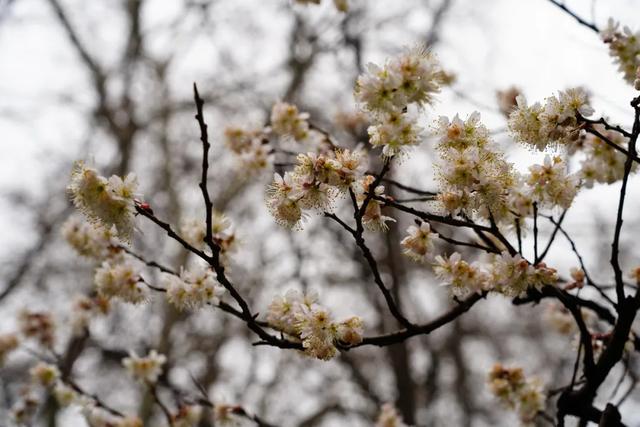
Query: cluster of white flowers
[(44, 374), (250, 147), (624, 46), (86, 308), (108, 202), (551, 185), (462, 277), (510, 275), (223, 234), (418, 244), (89, 239), (525, 395), (120, 278), (474, 177), (8, 343), (301, 317), (146, 369), (340, 5), (372, 219), (393, 131), (389, 417), (554, 123), (385, 94), (194, 288), (601, 163), (314, 184), (286, 120)]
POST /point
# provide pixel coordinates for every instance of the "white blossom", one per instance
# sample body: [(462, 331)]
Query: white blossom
[(624, 47), (44, 374), (194, 288), (301, 317), (108, 202), (146, 369), (418, 244), (286, 120), (120, 279)]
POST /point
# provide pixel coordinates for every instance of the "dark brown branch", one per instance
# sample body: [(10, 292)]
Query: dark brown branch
[(552, 238), (589, 25), (214, 262), (424, 329), (204, 138), (615, 245), (373, 265)]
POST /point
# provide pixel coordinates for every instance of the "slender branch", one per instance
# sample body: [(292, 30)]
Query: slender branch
[(589, 25), (408, 188), (552, 238), (214, 262), (426, 328), (615, 245), (204, 137), (535, 232), (574, 248), (373, 266)]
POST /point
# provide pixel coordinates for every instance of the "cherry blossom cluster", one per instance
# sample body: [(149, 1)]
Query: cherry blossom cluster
[(473, 175), (145, 369), (314, 184), (513, 390), (551, 185), (389, 417), (193, 288), (120, 278), (624, 46), (250, 147), (372, 219), (89, 240), (386, 93), (301, 317), (223, 235), (288, 121), (253, 147), (510, 275), (602, 163), (117, 276), (107, 202), (419, 242), (554, 123)]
